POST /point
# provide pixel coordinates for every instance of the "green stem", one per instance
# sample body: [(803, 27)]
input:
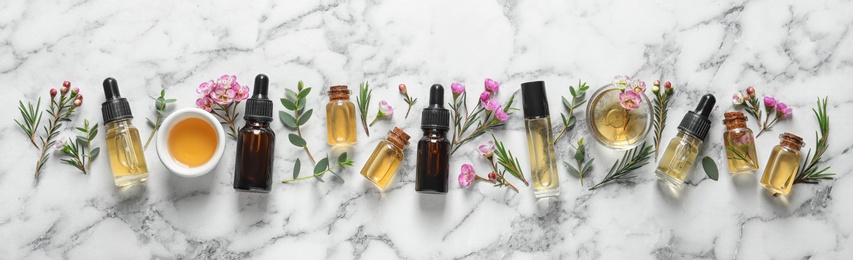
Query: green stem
[(156, 126), (316, 175)]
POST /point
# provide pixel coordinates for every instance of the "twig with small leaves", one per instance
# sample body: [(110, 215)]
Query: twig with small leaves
[(660, 108), (295, 101), (160, 109), (811, 171), (322, 168), (363, 100), (59, 110), (622, 169), (32, 118), (408, 99), (583, 166), (576, 101), (80, 148), (508, 161)]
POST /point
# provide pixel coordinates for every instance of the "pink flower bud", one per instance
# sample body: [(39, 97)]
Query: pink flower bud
[(78, 102), (75, 90), (66, 84), (656, 83), (52, 93), (750, 91), (667, 86), (402, 88), (63, 89), (79, 96), (493, 176)]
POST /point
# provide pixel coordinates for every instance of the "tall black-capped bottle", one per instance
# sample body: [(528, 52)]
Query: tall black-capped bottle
[(540, 141), (256, 142), (434, 148)]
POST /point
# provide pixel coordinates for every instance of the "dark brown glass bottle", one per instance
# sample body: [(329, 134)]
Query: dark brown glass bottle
[(256, 142), (434, 148)]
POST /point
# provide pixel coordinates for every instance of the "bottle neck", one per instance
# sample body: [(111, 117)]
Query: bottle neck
[(435, 133), (119, 123), (256, 123)]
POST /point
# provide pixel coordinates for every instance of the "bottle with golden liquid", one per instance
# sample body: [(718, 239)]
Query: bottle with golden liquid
[(782, 166), (122, 139), (674, 167), (387, 156), (340, 117), (740, 144), (540, 142)]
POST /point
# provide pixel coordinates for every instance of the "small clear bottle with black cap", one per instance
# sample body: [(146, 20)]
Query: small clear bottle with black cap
[(122, 139), (540, 141), (674, 167), (256, 142), (434, 148)]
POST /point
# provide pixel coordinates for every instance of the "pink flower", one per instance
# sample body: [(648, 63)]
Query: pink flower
[(783, 110), (630, 100), (493, 176), (491, 85), (621, 82), (737, 98), (769, 101), (638, 86), (744, 139), (205, 103), (501, 115), (205, 87), (484, 97), (487, 149), (58, 144), (467, 175), (223, 94), (242, 94), (457, 88), (493, 105), (385, 109)]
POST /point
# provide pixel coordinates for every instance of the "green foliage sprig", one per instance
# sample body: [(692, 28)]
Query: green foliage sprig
[(322, 168), (295, 101), (577, 100), (363, 100), (659, 106), (583, 166), (59, 110), (508, 162), (811, 171), (622, 169), (160, 109), (80, 148)]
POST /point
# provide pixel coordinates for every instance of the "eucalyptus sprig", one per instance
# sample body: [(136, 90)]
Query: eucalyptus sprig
[(408, 99), (59, 110), (295, 102), (322, 168), (583, 166), (160, 109), (363, 100), (80, 148), (577, 100), (622, 169), (660, 109), (811, 171), (508, 161)]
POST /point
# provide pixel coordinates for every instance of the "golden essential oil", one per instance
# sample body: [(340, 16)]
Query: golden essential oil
[(340, 117), (192, 142), (386, 158), (783, 164), (123, 144), (540, 142), (739, 143), (614, 125)]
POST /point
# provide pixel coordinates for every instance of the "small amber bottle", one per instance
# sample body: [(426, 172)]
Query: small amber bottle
[(387, 156), (256, 142), (740, 144), (123, 144), (434, 148), (340, 117), (677, 161), (782, 166)]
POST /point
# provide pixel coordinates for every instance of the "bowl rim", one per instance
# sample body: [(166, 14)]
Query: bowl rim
[(163, 135), (647, 107)]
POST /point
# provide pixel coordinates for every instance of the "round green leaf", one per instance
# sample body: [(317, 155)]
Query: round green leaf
[(710, 168), (296, 140), (321, 165)]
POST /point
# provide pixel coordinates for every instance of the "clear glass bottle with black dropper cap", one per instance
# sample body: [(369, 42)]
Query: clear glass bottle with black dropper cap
[(123, 144), (256, 142), (540, 141), (434, 148), (674, 166)]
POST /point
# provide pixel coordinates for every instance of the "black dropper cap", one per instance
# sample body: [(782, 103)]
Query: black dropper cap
[(259, 106), (696, 122), (115, 107), (435, 116), (534, 99)]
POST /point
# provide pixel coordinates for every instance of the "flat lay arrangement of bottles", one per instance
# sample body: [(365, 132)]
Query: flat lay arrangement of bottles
[(191, 141)]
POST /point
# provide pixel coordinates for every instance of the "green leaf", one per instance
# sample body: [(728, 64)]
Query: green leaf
[(342, 158), (296, 140), (287, 119), (82, 140), (321, 165), (290, 94), (318, 178), (171, 100), (303, 93), (304, 117), (296, 168), (572, 90), (301, 104), (95, 152), (710, 168), (287, 103)]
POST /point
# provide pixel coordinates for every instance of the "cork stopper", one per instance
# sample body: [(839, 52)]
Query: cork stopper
[(734, 120), (398, 137), (339, 92), (791, 141)]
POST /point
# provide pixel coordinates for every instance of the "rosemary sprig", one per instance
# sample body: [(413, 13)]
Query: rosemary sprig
[(739, 152), (160, 109), (295, 101), (322, 168), (569, 123), (80, 149), (659, 106), (811, 171), (363, 100), (408, 99), (489, 120), (59, 110), (582, 165), (508, 161), (32, 118), (622, 169)]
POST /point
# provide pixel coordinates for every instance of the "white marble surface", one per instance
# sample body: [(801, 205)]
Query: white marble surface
[(795, 50)]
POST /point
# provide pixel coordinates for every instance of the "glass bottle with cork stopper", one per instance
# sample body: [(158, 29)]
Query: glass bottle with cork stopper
[(434, 148), (386, 158), (740, 144), (782, 166), (256, 142), (340, 117), (122, 139)]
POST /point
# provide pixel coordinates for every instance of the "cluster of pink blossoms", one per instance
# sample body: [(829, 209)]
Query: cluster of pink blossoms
[(223, 92), (488, 99)]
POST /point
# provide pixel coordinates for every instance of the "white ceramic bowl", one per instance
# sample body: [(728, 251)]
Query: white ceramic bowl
[(163, 137)]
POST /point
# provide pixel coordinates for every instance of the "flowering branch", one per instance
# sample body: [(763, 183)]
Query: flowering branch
[(385, 111), (59, 110), (407, 98), (660, 109), (160, 109), (295, 101), (489, 109), (771, 106), (221, 98)]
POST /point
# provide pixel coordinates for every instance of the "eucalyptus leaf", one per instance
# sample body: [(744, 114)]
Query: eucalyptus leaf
[(304, 117), (296, 168), (342, 158), (287, 119), (287, 103), (95, 152), (321, 165), (290, 94), (296, 140), (710, 168), (304, 93), (301, 104)]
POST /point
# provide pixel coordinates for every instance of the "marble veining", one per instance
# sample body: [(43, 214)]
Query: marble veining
[(795, 50)]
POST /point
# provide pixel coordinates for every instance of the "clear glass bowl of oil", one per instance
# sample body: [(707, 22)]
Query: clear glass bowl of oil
[(612, 125)]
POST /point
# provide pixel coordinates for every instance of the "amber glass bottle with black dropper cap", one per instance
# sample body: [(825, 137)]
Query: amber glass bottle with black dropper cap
[(123, 144), (434, 148), (256, 142)]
